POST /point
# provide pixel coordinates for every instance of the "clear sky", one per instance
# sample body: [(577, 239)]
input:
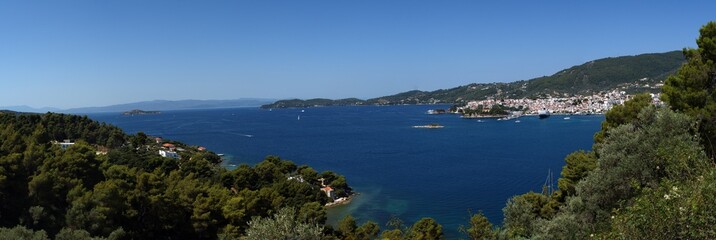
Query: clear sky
[(93, 53)]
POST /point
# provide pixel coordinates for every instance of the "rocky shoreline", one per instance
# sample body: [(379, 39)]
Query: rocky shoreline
[(341, 201)]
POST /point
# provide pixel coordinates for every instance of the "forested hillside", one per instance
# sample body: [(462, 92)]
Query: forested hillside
[(629, 73), (113, 185), (606, 74)]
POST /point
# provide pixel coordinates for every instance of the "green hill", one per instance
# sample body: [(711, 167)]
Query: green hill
[(608, 73), (629, 73), (314, 103), (111, 185)]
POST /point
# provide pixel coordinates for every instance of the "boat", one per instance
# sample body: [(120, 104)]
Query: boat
[(544, 113), (548, 187), (436, 111), (517, 121), (566, 118), (432, 125)]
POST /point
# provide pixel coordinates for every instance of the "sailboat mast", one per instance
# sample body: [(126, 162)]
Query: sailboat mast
[(547, 189)]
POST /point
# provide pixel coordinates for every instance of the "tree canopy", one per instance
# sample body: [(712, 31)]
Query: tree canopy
[(692, 90), (109, 184)]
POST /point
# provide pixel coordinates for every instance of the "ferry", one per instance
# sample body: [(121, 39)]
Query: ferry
[(544, 113)]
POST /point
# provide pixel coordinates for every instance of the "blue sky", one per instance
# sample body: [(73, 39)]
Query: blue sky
[(94, 53)]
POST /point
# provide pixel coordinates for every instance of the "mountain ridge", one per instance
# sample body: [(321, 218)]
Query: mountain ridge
[(633, 73), (153, 105), (167, 105)]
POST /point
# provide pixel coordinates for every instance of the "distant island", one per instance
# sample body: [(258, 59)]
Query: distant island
[(159, 105), (165, 105), (631, 74), (140, 112)]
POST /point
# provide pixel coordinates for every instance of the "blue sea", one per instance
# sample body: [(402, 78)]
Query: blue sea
[(410, 173)]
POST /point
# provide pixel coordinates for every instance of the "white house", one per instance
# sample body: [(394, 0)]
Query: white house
[(168, 154), (66, 144), (297, 178), (329, 192)]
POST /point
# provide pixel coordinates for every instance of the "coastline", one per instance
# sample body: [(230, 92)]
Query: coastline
[(481, 116), (341, 201)]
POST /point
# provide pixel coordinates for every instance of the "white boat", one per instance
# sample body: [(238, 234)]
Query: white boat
[(567, 118), (544, 113), (436, 111), (432, 125)]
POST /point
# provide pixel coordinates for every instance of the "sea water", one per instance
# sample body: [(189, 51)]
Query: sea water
[(468, 166)]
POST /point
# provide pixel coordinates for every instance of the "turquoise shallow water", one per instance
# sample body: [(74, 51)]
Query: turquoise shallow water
[(399, 170)]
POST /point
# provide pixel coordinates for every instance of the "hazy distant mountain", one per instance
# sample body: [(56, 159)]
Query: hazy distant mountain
[(638, 73), (29, 109), (165, 105)]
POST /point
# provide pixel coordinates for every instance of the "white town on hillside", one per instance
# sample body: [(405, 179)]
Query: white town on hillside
[(577, 104)]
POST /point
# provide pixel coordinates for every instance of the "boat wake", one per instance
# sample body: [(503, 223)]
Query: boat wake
[(240, 134)]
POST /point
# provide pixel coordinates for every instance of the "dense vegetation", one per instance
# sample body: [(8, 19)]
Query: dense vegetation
[(608, 73), (628, 73), (109, 184), (650, 174)]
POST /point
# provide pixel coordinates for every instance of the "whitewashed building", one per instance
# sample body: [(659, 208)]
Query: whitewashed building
[(168, 154)]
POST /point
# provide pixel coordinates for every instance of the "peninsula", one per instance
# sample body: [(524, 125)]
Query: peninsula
[(140, 112)]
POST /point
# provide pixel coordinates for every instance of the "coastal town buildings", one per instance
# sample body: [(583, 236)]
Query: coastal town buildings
[(578, 104)]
